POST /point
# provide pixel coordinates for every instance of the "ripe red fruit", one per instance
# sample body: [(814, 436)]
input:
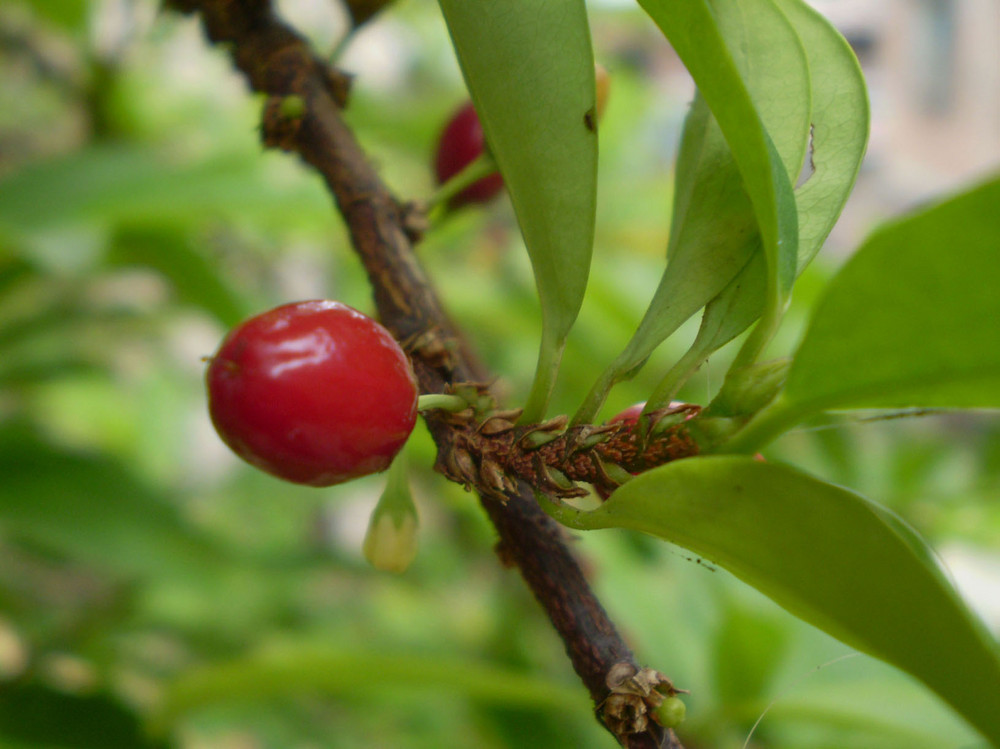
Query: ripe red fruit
[(460, 144), (312, 392)]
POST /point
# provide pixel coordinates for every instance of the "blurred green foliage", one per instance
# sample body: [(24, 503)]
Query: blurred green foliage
[(155, 591)]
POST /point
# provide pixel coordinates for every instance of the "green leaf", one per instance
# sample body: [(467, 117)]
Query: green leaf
[(839, 121), (714, 230), (93, 510), (196, 279), (104, 184), (70, 15), (868, 709), (908, 321), (827, 555), (285, 670), (695, 32), (39, 716), (530, 70)]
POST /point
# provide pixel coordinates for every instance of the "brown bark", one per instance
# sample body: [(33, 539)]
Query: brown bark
[(277, 61)]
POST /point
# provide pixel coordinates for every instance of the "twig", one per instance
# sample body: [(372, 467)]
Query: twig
[(278, 62)]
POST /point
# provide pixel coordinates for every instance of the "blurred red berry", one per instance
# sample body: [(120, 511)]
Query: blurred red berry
[(460, 144)]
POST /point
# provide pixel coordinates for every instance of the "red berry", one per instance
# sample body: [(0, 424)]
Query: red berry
[(460, 144), (630, 415), (312, 392)]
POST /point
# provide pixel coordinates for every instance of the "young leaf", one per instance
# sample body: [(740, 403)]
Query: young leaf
[(840, 120), (714, 231), (530, 70), (827, 555), (908, 321), (839, 124), (694, 31)]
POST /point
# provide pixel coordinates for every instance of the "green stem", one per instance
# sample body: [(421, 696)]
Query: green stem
[(761, 335), (450, 403), (596, 397), (341, 45), (482, 166), (767, 425), (675, 378), (562, 513), (549, 356), (396, 495)]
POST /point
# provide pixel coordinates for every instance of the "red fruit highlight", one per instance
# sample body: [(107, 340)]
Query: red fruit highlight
[(313, 392)]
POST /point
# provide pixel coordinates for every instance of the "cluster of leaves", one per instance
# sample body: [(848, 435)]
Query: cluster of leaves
[(901, 326)]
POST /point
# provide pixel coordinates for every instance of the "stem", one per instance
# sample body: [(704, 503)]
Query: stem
[(549, 356), (767, 425), (482, 166), (277, 61), (763, 331), (562, 512), (587, 411), (341, 45), (442, 401), (396, 496), (676, 376)]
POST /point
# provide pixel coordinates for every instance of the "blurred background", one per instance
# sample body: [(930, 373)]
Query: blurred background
[(154, 591)]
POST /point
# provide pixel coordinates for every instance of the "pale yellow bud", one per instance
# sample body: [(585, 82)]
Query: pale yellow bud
[(391, 541)]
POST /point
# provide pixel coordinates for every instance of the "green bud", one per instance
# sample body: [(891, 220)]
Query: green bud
[(292, 107), (671, 712), (390, 544)]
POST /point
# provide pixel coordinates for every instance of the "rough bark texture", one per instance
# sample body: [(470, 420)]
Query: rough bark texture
[(277, 61)]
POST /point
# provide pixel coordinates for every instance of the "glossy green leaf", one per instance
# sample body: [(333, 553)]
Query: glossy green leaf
[(714, 230), (827, 555), (695, 31), (908, 321), (839, 121), (530, 70)]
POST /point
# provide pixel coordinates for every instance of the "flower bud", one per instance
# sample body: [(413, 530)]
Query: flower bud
[(671, 712), (390, 544)]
